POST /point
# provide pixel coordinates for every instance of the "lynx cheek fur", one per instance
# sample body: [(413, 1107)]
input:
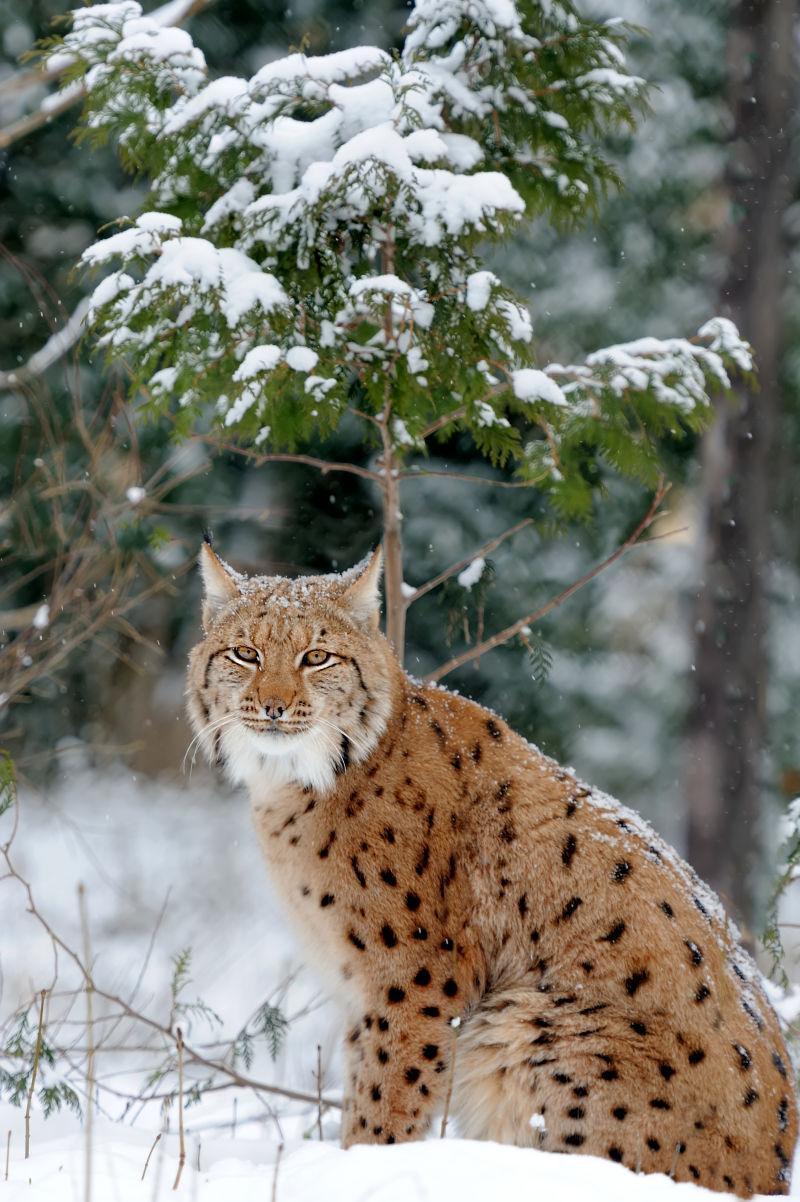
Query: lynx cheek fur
[(438, 867)]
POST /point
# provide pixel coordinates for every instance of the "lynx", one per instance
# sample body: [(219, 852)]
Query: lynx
[(478, 911)]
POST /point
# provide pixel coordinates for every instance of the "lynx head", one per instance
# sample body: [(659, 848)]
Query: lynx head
[(293, 679)]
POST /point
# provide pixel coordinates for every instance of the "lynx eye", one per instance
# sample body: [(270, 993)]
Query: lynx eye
[(247, 655), (314, 658)]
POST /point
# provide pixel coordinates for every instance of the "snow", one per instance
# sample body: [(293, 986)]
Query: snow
[(136, 494), (532, 385), (252, 1170), (479, 289), (301, 358), (41, 619), (472, 573)]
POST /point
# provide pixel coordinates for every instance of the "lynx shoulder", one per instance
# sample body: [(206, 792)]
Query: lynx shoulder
[(439, 868)]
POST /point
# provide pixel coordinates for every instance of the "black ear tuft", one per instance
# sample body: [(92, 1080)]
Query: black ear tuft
[(208, 537)]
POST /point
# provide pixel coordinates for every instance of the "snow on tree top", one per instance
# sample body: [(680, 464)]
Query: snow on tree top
[(329, 214)]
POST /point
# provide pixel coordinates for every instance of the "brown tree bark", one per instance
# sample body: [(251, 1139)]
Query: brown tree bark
[(727, 733)]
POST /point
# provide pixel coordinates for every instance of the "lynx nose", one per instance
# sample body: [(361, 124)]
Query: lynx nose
[(273, 707)]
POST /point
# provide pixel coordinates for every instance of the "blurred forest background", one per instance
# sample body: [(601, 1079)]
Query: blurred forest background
[(673, 680)]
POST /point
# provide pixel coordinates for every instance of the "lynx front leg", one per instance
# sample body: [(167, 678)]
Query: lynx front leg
[(397, 1074)]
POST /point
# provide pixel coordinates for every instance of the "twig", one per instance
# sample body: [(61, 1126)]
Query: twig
[(89, 1129), (8, 1153), (181, 1135), (275, 1174), (37, 1051), (486, 549), (150, 1153), (454, 1025), (322, 465), (515, 628), (319, 1090)]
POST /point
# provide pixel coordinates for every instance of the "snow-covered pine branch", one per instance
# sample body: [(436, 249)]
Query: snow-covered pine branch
[(314, 235)]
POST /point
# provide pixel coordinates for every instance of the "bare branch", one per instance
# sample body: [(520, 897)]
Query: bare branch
[(322, 465), (443, 421), (515, 628), (486, 549), (55, 348)]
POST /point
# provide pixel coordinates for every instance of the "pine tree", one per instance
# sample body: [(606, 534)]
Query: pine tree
[(312, 246)]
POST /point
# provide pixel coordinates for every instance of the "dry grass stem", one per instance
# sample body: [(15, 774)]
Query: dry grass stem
[(90, 1089), (37, 1052), (450, 1078), (181, 1133), (150, 1153), (275, 1174)]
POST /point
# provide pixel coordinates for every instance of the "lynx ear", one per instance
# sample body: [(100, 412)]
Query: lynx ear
[(219, 584), (361, 596)]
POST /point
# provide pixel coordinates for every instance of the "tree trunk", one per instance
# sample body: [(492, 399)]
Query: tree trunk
[(727, 733)]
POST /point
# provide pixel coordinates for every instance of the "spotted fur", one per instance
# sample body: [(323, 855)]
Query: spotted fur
[(438, 867)]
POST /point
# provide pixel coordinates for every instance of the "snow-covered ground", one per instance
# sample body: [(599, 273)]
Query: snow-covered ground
[(313, 1171), (136, 843)]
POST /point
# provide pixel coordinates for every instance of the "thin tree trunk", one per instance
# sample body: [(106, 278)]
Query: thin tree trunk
[(728, 725), (393, 553)]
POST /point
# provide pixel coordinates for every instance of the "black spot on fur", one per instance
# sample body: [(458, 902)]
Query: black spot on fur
[(388, 834), (609, 1074), (430, 1051), (660, 1104), (568, 850), (783, 1114), (697, 1056), (422, 863), (750, 1097), (574, 1139), (570, 810), (667, 1071), (359, 875), (412, 901), (388, 877), (778, 1062), (619, 1113), (327, 899), (695, 1172), (325, 850), (571, 907), (581, 1091), (615, 1153), (430, 1011), (561, 1078), (576, 1112), (356, 942), (420, 934), (375, 1093), (695, 955), (388, 935), (508, 832), (423, 977), (653, 1144), (447, 944), (493, 729), (587, 965), (383, 1055), (702, 993), (668, 910), (614, 935), (621, 871), (395, 993), (412, 1075), (450, 988), (634, 982), (523, 905), (639, 1028)]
